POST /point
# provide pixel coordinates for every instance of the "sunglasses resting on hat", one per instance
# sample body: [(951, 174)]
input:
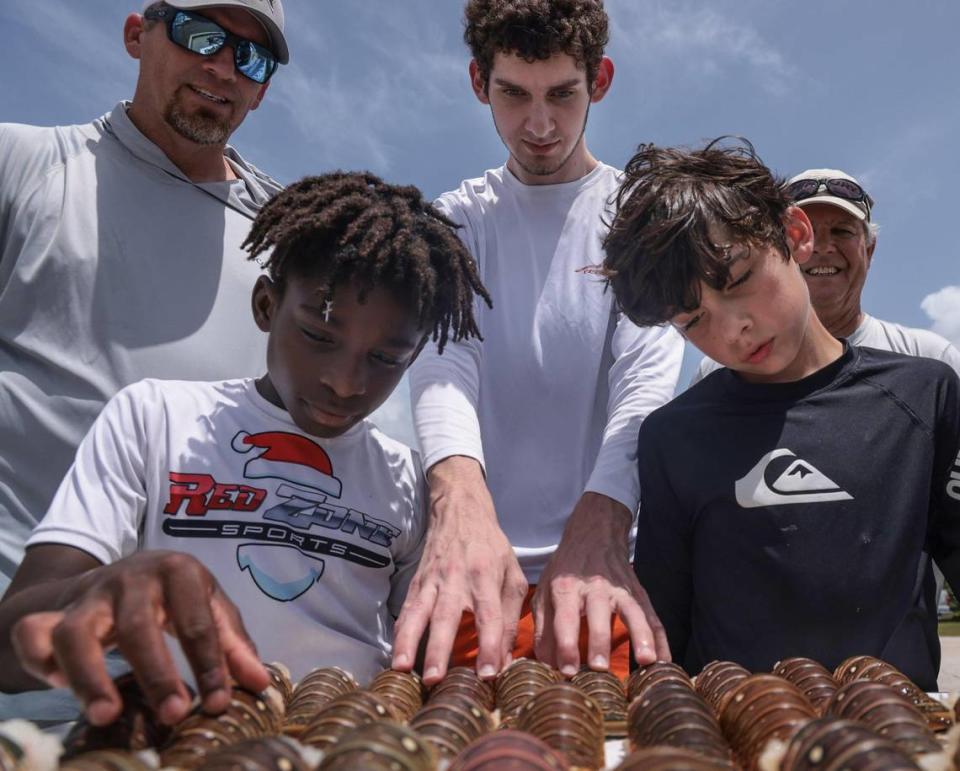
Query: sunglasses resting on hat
[(202, 36), (841, 188)]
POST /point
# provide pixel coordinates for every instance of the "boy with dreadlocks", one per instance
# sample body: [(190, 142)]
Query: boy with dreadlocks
[(191, 506), (791, 502)]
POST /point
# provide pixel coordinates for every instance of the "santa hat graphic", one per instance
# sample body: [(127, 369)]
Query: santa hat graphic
[(290, 457)]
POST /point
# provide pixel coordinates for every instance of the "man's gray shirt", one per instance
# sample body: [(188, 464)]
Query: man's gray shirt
[(113, 267)]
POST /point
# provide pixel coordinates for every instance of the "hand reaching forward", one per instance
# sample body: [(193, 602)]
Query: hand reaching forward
[(590, 576), (467, 564), (129, 605)]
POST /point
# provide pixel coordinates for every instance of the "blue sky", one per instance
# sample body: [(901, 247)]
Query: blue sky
[(869, 86)]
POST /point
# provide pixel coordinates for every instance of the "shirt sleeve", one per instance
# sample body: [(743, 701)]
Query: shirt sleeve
[(951, 356), (945, 504), (663, 553), (101, 501), (445, 388), (642, 378)]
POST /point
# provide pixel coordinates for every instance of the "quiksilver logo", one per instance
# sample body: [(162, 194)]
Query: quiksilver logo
[(953, 483), (799, 482)]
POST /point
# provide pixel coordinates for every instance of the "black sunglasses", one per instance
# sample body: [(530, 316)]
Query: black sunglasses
[(198, 34), (841, 188)]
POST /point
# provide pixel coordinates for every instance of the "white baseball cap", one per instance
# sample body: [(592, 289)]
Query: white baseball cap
[(833, 187), (268, 12)]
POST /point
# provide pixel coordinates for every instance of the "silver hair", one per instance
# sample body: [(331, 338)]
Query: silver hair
[(870, 230)]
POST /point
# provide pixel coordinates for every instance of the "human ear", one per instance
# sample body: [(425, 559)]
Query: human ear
[(601, 83), (478, 82), (799, 234), (260, 94), (133, 30), (264, 301)]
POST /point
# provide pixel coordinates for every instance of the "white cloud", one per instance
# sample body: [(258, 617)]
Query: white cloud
[(943, 308), (701, 40)]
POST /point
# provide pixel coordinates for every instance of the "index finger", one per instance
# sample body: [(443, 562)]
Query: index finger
[(411, 625)]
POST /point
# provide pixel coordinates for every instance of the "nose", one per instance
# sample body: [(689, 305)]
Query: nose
[(735, 325), (822, 240), (221, 64), (347, 379), (539, 121)]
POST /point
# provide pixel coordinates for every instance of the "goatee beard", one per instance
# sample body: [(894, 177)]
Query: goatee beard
[(197, 126)]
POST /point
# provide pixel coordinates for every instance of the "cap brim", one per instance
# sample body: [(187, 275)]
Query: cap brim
[(840, 203)]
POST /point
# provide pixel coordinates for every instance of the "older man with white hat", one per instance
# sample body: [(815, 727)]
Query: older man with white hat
[(120, 252), (845, 238)]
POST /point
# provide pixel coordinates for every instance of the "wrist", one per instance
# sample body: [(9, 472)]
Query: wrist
[(599, 517), (458, 489)]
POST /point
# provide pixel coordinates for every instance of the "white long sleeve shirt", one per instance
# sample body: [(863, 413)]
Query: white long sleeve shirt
[(550, 402)]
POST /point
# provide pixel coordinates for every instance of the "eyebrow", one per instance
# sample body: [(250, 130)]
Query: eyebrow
[(565, 84), (390, 342)]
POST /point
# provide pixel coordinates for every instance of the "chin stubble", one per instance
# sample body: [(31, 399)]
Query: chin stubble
[(204, 129)]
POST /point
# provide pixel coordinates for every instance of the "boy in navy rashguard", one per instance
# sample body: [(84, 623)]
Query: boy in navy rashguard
[(792, 502)]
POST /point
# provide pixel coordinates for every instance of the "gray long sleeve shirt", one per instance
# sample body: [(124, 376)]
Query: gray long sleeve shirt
[(113, 267)]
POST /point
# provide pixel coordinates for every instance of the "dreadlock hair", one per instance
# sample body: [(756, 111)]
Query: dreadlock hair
[(536, 30), (353, 226), (659, 248)]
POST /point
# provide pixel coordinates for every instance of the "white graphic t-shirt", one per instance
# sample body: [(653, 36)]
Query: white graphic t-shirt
[(315, 540)]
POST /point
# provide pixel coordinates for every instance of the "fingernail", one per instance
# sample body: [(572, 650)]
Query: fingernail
[(568, 670), (488, 670), (172, 709), (599, 662), (431, 673), (100, 712), (401, 661)]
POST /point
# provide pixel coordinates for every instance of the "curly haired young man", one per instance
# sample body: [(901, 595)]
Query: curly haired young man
[(529, 435)]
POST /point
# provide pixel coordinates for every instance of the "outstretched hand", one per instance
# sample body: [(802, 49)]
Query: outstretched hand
[(467, 565), (129, 605), (590, 576)]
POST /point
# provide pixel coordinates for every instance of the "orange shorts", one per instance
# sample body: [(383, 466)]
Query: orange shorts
[(465, 644)]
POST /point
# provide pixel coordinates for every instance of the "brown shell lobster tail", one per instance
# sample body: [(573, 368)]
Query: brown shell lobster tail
[(938, 717), (716, 679), (517, 683), (671, 759), (280, 679), (464, 680), (344, 713), (403, 691), (811, 677), (760, 708), (137, 727), (269, 753), (314, 691), (569, 721), (644, 677), (606, 689), (509, 749), (833, 744), (887, 711), (673, 714), (450, 720), (380, 746), (248, 716)]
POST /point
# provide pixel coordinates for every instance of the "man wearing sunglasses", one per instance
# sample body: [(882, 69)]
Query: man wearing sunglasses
[(845, 237), (120, 252)]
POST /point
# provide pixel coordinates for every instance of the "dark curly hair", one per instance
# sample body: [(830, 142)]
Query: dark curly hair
[(353, 226), (535, 30), (658, 248)]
